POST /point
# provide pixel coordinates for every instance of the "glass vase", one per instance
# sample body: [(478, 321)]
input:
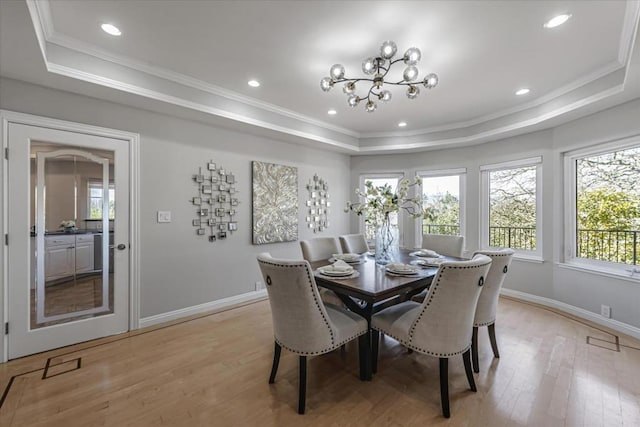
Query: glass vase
[(387, 243)]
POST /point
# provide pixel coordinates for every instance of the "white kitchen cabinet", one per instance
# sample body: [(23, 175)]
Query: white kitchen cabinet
[(67, 254)]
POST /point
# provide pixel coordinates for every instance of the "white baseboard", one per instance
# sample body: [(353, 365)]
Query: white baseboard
[(208, 307), (576, 311)]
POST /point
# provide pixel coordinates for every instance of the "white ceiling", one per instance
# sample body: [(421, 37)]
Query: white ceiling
[(200, 55)]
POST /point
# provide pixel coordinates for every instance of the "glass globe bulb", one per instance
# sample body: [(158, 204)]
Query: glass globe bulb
[(410, 73), (349, 88), (371, 107), (412, 56), (369, 66), (413, 92), (430, 81), (353, 100), (385, 96), (388, 49), (326, 84), (336, 72)]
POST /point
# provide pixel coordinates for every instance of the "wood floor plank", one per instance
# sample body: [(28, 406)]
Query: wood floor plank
[(213, 370)]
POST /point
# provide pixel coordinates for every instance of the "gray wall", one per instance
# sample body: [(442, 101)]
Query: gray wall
[(178, 268), (584, 290)]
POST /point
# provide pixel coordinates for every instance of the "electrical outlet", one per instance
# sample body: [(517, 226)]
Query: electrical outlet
[(164, 216), (259, 285), (605, 311)]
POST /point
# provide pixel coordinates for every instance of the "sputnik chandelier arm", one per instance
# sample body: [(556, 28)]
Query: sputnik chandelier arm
[(379, 67)]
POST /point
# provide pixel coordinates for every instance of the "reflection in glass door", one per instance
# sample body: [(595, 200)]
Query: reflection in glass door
[(73, 195)]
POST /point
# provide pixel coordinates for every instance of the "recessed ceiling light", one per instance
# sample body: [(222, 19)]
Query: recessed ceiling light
[(522, 91), (402, 124), (253, 83), (332, 112), (557, 20), (111, 29)]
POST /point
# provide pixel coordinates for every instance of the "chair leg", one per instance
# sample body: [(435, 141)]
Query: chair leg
[(375, 343), (302, 389), (466, 357), (444, 386), (276, 362), (364, 357), (474, 350), (492, 338)]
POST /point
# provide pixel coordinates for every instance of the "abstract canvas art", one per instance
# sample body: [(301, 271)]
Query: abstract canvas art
[(275, 203)]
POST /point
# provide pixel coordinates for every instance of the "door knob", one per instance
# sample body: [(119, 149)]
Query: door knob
[(121, 247)]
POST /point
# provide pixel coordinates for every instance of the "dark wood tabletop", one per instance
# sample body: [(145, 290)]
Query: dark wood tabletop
[(374, 285)]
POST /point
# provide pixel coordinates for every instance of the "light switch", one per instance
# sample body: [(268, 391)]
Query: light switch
[(164, 216)]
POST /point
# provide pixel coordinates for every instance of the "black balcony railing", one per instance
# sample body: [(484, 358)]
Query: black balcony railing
[(620, 246)]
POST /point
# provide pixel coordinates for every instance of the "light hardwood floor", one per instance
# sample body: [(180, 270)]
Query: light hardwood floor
[(213, 371)]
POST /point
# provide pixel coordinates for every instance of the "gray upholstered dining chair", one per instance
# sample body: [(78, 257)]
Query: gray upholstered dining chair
[(442, 325), (444, 244), (488, 301), (354, 243), (318, 249), (304, 325)]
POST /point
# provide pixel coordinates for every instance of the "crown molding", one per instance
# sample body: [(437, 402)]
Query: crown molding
[(178, 89)]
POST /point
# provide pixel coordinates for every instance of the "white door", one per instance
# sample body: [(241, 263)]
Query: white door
[(68, 222)]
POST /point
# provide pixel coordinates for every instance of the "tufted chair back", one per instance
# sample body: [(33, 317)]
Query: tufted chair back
[(320, 248), (443, 244), (488, 301), (444, 325), (300, 320), (354, 244)]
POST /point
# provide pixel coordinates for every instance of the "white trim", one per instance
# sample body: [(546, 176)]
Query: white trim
[(608, 273), (616, 325), (528, 258), (133, 139), (629, 26), (512, 164), (212, 307)]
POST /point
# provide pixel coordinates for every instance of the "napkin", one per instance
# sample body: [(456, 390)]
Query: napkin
[(398, 266), (428, 253), (340, 266), (347, 257)]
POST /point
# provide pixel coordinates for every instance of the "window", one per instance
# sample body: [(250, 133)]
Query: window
[(603, 205), (379, 180), (511, 205), (442, 200), (96, 196)]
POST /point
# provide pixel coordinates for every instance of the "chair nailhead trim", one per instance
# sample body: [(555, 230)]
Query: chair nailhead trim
[(422, 350), (311, 283), (323, 351), (477, 325)]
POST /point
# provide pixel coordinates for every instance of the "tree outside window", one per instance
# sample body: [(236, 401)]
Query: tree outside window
[(392, 182), (441, 203), (96, 197)]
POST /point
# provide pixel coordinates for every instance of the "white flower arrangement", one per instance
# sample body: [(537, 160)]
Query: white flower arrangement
[(68, 224)]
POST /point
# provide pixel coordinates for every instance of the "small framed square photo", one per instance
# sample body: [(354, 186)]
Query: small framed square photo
[(222, 226), (222, 235), (211, 166), (232, 212), (222, 198), (196, 223), (200, 232), (196, 200), (221, 171), (233, 226), (198, 178), (220, 212), (212, 238), (206, 189), (214, 179), (211, 222), (231, 179), (223, 187), (203, 212), (234, 202)]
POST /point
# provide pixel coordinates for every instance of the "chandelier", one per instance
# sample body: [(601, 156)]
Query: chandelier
[(378, 68)]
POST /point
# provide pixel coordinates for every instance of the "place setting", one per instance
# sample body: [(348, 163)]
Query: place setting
[(349, 258), (427, 258), (338, 270), (401, 269)]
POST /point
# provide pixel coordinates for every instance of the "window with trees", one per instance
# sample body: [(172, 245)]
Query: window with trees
[(96, 197), (442, 201), (603, 211), (379, 180), (511, 205)]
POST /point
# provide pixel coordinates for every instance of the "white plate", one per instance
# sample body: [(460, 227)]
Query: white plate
[(404, 272), (328, 272), (426, 254), (348, 261), (428, 262)]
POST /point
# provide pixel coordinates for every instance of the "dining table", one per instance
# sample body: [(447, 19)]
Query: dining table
[(374, 288)]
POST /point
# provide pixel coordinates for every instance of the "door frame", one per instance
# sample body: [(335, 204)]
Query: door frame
[(133, 140)]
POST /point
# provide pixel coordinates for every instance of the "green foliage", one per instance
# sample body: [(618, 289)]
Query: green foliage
[(604, 209)]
